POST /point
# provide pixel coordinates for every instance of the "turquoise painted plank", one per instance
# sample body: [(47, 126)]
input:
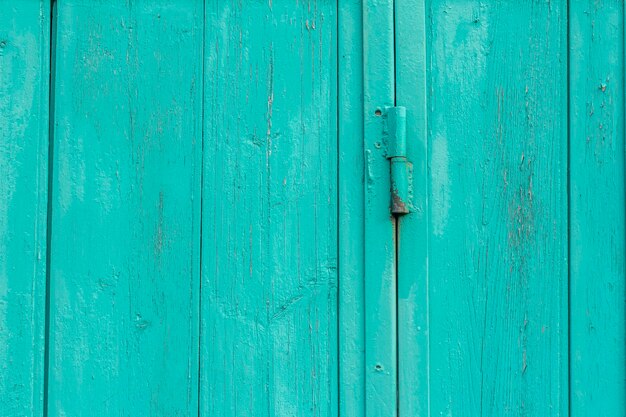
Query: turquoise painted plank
[(24, 91), (497, 250), (597, 248), (269, 224), (379, 230), (125, 230), (411, 92), (351, 309)]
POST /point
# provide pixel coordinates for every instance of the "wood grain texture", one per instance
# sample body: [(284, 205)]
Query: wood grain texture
[(597, 248), (24, 91), (269, 227), (412, 299), (218, 218), (125, 262), (351, 309), (379, 231), (498, 208)]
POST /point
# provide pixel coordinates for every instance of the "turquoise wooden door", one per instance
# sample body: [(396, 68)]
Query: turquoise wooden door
[(197, 197), (169, 208), (502, 292), (511, 287)]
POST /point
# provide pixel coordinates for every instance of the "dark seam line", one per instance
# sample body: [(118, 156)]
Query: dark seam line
[(397, 341), (202, 101), (568, 202), (397, 229), (51, 103), (338, 214), (623, 138), (362, 231)]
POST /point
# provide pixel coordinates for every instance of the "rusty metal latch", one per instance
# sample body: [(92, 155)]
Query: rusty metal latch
[(401, 168)]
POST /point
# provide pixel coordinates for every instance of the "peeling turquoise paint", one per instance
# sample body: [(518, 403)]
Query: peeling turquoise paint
[(197, 208), (24, 65)]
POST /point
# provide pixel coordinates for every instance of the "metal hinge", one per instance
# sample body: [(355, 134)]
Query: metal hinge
[(401, 168)]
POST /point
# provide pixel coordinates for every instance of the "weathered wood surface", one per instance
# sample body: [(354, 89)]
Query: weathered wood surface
[(125, 208), (218, 219), (351, 309), (379, 244), (24, 60), (597, 247), (412, 297), (269, 219), (498, 272)]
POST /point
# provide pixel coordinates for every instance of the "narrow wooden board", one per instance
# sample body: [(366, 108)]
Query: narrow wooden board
[(269, 219), (597, 224), (351, 308), (24, 92), (412, 93), (125, 230), (497, 249), (380, 226)]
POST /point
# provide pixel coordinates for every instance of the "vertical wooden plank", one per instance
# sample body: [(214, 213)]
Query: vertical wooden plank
[(597, 224), (498, 208), (413, 348), (379, 230), (269, 232), (351, 211), (126, 208), (24, 65)]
